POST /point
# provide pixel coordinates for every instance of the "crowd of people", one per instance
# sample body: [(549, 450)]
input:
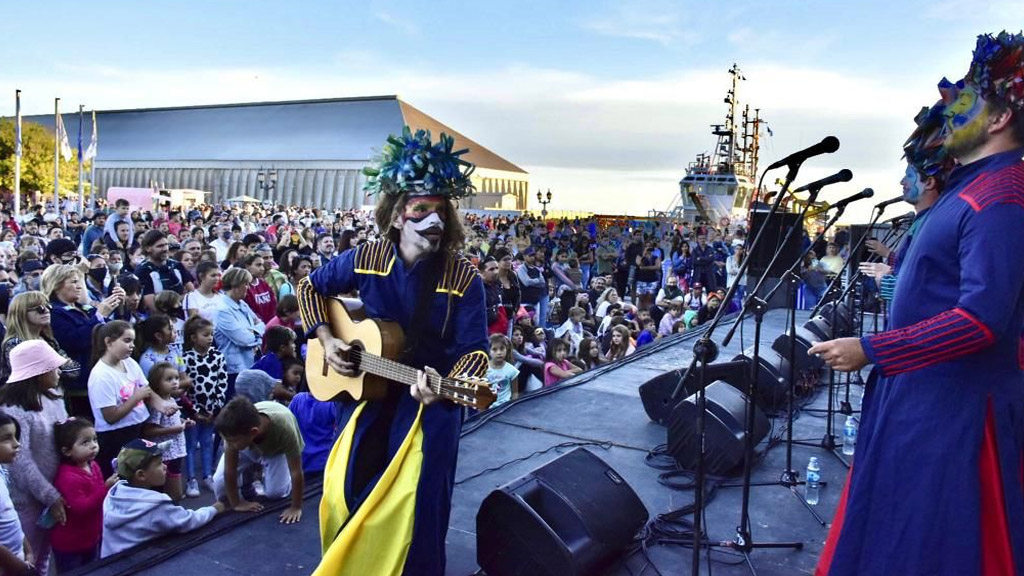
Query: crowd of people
[(149, 323)]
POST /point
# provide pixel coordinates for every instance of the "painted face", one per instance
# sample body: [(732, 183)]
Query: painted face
[(966, 122), (913, 185), (421, 224)]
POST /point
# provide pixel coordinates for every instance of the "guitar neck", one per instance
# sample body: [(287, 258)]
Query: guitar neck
[(398, 372)]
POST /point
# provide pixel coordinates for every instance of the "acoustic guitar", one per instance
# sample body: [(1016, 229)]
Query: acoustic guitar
[(375, 343)]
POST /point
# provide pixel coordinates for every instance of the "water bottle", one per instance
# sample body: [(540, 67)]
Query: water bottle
[(849, 436), (813, 478)]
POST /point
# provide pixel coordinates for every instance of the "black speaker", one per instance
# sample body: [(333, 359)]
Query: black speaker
[(656, 395), (846, 323), (724, 422), (777, 228), (804, 339), (772, 378), (857, 231), (820, 328), (572, 516)]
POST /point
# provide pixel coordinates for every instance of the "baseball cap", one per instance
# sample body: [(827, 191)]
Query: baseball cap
[(30, 266), (135, 456)]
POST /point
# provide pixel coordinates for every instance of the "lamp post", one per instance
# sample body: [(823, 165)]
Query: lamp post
[(266, 181), (544, 201)]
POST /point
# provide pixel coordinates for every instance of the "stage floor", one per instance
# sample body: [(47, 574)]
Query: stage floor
[(601, 407)]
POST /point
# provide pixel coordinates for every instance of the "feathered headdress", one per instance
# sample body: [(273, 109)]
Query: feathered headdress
[(411, 163), (997, 68), (924, 148)]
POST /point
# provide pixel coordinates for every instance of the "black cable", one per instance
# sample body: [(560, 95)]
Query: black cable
[(605, 445)]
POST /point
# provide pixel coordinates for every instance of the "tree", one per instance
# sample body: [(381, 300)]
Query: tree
[(36, 161)]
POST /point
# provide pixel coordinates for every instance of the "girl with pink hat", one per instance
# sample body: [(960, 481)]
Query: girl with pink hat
[(33, 397)]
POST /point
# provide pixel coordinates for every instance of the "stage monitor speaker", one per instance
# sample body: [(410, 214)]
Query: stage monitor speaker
[(772, 379), (804, 340), (777, 228), (572, 516), (656, 395), (846, 323), (820, 328), (724, 421)]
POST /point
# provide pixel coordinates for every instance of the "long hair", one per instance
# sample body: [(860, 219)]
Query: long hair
[(193, 326), (390, 206), (17, 316), (584, 352), (113, 330), (145, 336), (619, 352), (27, 394)]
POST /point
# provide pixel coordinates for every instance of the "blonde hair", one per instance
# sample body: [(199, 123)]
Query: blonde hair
[(56, 275), (235, 277), (17, 316)]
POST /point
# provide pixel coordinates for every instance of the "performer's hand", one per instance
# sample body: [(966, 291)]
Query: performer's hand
[(336, 353), (877, 247), (422, 391), (842, 354), (291, 515), (246, 506), (875, 269)]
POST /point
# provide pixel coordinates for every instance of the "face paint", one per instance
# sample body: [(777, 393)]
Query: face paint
[(966, 122), (421, 225), (913, 185)]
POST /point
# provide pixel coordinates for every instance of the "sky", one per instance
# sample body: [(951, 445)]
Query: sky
[(602, 102)]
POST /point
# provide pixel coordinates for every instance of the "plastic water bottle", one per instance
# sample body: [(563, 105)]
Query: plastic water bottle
[(813, 479), (849, 436)]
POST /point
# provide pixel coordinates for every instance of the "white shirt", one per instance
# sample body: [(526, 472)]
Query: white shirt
[(205, 305), (109, 386)]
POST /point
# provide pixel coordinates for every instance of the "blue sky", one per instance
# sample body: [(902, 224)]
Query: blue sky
[(603, 102)]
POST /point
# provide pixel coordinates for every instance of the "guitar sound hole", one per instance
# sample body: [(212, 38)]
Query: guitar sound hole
[(355, 354)]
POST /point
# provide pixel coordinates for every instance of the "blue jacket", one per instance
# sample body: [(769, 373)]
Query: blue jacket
[(238, 333), (72, 326)]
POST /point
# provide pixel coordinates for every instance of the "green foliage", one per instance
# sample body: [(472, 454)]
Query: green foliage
[(36, 161)]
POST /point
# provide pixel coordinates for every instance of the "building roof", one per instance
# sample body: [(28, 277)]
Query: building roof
[(330, 129)]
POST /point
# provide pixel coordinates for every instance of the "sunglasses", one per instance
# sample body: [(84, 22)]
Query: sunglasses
[(41, 309)]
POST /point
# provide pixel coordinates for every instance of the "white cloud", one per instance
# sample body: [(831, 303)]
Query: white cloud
[(652, 20), (406, 26)]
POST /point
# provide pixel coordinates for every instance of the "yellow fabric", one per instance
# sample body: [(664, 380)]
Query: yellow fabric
[(376, 540)]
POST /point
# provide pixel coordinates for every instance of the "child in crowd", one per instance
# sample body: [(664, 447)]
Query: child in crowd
[(155, 343), (80, 481), (528, 365), (266, 434), (168, 430), (572, 329), (32, 397), (590, 353), (279, 343), (537, 347), (503, 376), (206, 367), (169, 302), (670, 319), (135, 511), (318, 424), (15, 552), (292, 380), (204, 300), (649, 333), (117, 390), (558, 367), (621, 346)]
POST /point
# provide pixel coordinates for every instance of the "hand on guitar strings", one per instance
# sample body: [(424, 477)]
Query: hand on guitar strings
[(336, 353), (422, 391)]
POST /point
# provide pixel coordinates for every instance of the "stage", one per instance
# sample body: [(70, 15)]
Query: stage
[(601, 410)]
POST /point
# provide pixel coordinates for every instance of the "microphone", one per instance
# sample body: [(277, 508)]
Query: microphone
[(897, 220), (883, 205), (828, 145), (865, 193), (843, 175)]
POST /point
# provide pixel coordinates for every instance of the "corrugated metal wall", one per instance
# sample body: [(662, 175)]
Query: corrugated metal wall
[(311, 187)]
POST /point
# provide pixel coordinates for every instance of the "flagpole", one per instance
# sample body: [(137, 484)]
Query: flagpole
[(93, 150), (81, 191), (17, 153), (56, 154)]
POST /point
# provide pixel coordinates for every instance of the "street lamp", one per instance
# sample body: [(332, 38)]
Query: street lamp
[(266, 181), (544, 202)]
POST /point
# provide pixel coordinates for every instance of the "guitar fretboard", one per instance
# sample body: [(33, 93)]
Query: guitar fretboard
[(398, 372)]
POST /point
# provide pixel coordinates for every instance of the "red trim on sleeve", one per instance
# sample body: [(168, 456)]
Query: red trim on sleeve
[(946, 336)]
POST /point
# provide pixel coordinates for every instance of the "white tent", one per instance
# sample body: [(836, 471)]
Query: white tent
[(244, 200)]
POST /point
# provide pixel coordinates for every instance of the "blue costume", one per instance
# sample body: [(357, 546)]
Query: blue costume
[(423, 442), (936, 485)]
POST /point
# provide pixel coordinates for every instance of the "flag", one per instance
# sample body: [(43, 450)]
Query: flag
[(770, 133), (79, 134), (17, 123), (90, 152), (62, 137)]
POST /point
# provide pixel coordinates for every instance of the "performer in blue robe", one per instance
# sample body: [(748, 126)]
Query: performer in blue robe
[(936, 484), (389, 480)]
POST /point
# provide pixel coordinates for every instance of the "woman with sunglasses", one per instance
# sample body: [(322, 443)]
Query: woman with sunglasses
[(28, 318)]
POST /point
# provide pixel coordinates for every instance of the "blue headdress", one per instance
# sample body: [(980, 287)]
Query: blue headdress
[(997, 68), (411, 164), (924, 150)]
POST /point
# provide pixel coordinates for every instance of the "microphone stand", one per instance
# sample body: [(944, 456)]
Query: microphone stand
[(705, 351), (790, 477)]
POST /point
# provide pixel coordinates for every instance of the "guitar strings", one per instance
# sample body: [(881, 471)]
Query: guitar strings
[(399, 372)]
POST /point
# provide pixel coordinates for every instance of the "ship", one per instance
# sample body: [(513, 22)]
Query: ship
[(719, 186)]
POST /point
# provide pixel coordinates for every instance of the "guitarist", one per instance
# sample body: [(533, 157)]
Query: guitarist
[(388, 483)]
